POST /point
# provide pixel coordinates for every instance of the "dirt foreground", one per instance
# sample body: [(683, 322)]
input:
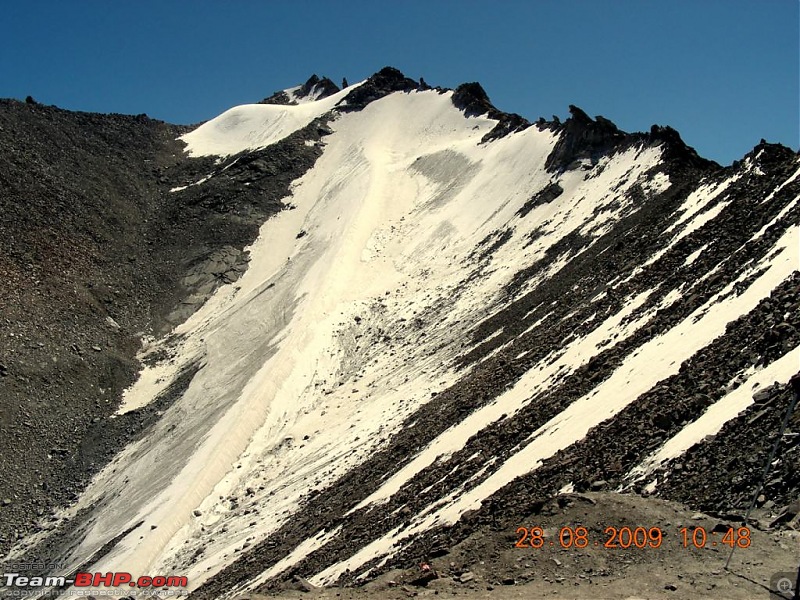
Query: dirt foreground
[(489, 565)]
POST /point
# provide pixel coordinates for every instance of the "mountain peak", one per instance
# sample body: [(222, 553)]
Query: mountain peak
[(577, 115), (381, 84), (472, 99), (766, 155), (675, 148), (315, 88), (582, 137)]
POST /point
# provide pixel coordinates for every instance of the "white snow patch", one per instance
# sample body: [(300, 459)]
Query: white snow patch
[(696, 202), (777, 218), (700, 219), (694, 255), (267, 410), (781, 186), (253, 126)]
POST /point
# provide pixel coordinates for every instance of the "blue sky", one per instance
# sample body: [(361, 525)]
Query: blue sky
[(723, 72)]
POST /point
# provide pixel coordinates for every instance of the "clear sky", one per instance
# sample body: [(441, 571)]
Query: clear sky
[(723, 72)]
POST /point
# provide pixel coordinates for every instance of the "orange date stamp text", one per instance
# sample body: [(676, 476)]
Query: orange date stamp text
[(625, 537)]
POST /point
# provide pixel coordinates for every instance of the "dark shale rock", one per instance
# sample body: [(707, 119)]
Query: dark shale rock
[(546, 195), (384, 82)]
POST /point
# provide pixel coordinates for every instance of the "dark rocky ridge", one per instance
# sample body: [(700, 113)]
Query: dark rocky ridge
[(279, 97), (474, 101), (381, 84), (319, 88), (581, 137)]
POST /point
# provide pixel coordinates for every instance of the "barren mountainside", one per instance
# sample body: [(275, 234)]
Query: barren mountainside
[(343, 331)]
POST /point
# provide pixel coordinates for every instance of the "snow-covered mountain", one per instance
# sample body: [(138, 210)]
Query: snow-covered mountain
[(456, 312)]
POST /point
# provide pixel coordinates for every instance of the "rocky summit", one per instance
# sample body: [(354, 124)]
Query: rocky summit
[(331, 336)]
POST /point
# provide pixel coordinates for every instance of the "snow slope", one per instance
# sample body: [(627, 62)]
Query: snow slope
[(253, 126)]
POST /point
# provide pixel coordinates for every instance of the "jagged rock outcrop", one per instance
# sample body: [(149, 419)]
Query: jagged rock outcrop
[(279, 97), (314, 88), (317, 88), (474, 101), (382, 83), (675, 149), (545, 195), (582, 138)]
